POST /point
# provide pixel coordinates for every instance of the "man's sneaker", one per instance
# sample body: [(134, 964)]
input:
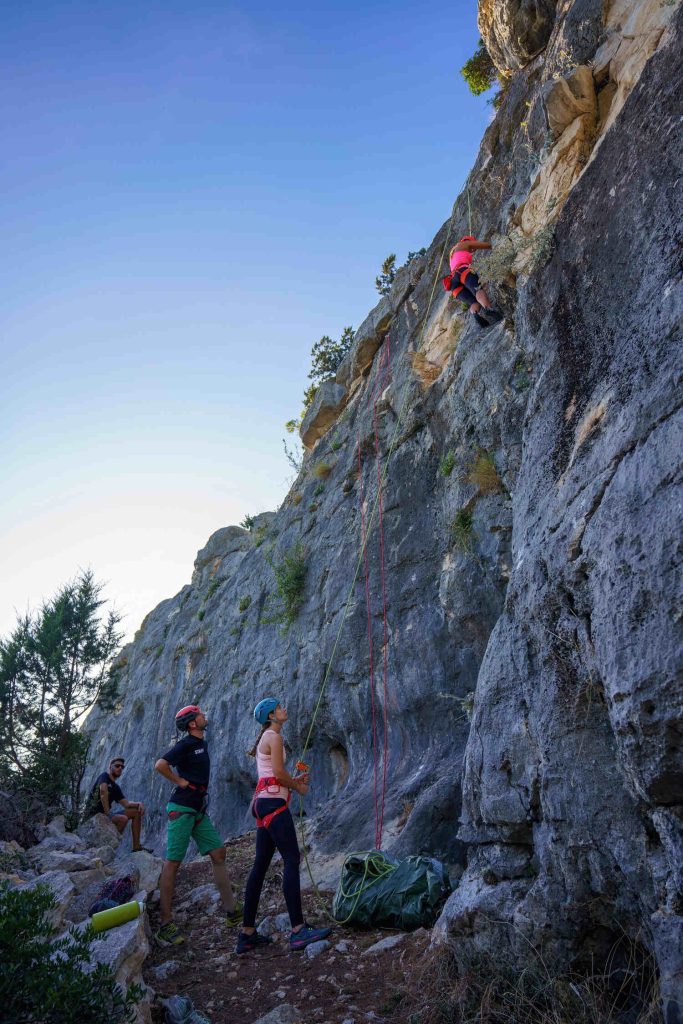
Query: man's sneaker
[(141, 849), (245, 943), (306, 935), (168, 935), (235, 917)]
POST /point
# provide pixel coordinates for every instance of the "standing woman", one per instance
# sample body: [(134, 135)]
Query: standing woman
[(275, 831)]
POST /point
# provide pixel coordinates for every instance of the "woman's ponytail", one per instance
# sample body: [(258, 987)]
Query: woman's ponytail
[(264, 728)]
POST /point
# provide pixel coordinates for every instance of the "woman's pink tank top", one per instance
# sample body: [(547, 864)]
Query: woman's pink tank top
[(264, 769), (460, 258)]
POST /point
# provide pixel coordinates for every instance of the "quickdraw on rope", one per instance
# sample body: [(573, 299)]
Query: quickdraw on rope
[(361, 559)]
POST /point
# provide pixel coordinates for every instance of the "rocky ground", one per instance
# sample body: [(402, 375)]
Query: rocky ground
[(360, 976)]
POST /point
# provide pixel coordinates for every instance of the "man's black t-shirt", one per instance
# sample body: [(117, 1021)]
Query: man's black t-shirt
[(190, 759), (114, 790)]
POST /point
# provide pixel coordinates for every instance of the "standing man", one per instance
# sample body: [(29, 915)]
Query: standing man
[(106, 792), (187, 819)]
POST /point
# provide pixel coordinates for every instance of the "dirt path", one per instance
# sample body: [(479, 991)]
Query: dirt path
[(340, 985)]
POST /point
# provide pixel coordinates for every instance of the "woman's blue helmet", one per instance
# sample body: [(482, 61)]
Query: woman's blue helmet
[(264, 708)]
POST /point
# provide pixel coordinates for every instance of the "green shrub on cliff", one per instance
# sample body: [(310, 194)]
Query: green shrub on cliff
[(290, 580), (42, 979), (479, 71)]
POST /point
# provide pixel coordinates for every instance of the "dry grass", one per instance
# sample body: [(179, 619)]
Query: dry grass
[(461, 986), (322, 470), (296, 498), (484, 475)]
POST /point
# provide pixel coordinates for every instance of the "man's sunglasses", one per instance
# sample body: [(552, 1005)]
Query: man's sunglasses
[(118, 764)]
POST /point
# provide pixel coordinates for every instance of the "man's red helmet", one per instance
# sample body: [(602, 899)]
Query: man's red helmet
[(186, 715)]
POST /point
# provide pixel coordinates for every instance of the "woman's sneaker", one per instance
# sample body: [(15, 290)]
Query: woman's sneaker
[(168, 935), (306, 935), (245, 943)]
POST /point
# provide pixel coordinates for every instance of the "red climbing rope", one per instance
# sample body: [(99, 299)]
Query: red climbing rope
[(383, 373)]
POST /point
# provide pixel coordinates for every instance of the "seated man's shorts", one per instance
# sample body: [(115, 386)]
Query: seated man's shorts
[(183, 824)]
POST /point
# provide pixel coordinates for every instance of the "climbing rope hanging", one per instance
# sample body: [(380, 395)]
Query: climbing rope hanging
[(360, 561)]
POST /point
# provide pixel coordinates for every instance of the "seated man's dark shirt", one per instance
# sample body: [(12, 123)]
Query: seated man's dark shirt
[(115, 795), (190, 760)]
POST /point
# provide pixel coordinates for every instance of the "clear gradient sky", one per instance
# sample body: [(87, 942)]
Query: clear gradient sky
[(193, 193)]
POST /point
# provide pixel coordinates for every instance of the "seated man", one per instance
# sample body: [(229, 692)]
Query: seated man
[(107, 791)]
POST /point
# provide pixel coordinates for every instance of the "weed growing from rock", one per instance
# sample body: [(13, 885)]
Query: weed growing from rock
[(244, 603), (213, 586), (322, 470), (495, 266), (248, 522), (542, 248), (460, 985), (290, 580), (461, 530), (447, 463), (484, 474)]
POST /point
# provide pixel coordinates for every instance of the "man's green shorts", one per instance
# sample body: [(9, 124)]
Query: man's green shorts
[(185, 824)]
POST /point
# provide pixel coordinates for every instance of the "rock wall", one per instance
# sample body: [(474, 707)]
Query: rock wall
[(530, 529)]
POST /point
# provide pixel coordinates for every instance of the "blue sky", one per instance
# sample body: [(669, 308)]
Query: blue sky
[(193, 194)]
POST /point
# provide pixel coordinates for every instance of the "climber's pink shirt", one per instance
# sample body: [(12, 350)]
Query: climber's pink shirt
[(460, 258), (264, 768)]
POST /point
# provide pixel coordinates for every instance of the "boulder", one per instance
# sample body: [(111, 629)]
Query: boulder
[(63, 890), (99, 831), (123, 949), (329, 401), (144, 867), (62, 860), (56, 827), (82, 880), (64, 841)]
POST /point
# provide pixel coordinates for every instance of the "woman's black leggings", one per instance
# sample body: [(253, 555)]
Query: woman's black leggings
[(281, 836)]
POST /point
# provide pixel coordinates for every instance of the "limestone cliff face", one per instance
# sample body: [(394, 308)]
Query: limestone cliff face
[(533, 591)]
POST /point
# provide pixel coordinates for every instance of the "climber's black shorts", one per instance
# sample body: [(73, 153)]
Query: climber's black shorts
[(465, 287)]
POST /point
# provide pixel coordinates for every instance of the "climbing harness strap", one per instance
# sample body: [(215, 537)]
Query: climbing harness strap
[(264, 783)]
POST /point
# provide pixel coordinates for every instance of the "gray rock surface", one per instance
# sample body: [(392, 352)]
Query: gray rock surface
[(314, 949), (284, 1014), (325, 408), (63, 891), (533, 591)]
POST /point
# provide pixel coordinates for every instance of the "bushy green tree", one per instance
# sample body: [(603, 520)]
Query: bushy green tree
[(42, 979), (387, 274), (326, 355), (54, 667), (479, 71)]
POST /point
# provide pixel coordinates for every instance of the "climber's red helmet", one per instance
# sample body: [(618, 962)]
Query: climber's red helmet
[(186, 716)]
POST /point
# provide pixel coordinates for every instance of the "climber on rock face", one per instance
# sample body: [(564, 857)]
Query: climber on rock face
[(187, 819), (465, 283), (275, 831), (106, 792)]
